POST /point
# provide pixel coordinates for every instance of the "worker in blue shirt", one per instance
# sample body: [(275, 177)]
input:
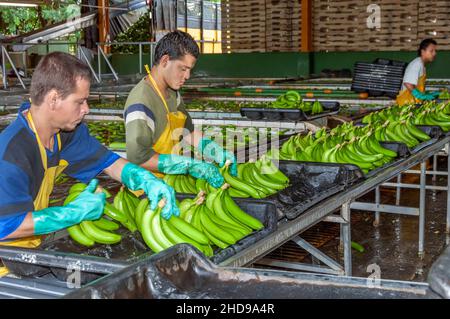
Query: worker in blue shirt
[(49, 138)]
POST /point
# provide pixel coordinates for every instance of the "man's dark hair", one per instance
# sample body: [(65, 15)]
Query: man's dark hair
[(58, 71), (424, 45), (176, 44)]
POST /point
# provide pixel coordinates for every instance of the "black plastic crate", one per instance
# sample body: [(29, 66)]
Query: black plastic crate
[(383, 77), (132, 247), (330, 107)]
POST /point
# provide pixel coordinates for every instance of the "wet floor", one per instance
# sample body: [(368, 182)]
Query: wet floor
[(393, 245)]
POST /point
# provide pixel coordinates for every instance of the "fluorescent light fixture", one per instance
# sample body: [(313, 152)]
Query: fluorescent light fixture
[(22, 3)]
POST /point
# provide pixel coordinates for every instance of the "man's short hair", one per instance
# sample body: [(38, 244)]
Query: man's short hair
[(176, 44), (424, 45), (58, 71)]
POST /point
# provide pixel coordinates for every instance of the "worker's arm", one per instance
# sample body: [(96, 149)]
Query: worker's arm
[(425, 96), (87, 206)]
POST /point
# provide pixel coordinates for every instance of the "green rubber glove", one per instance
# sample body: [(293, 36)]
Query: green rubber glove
[(212, 150), (87, 206), (422, 95), (435, 94), (175, 164), (135, 178)]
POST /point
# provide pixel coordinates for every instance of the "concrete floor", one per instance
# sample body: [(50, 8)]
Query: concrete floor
[(393, 245)]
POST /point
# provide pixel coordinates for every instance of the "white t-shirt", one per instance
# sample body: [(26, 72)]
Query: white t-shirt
[(414, 70)]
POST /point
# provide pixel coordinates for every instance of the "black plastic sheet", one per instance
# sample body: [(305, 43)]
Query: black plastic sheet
[(182, 272), (310, 184)]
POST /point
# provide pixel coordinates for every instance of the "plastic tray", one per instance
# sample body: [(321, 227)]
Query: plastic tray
[(182, 272), (311, 183), (330, 107), (435, 132), (263, 210), (132, 248)]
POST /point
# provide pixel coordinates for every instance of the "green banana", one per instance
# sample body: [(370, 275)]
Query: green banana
[(99, 235)]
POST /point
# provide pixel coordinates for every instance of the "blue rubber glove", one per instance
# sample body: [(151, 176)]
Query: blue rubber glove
[(135, 178), (211, 150), (423, 95), (176, 164), (87, 206)]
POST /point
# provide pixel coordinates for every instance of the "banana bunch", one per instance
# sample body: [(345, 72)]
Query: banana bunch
[(316, 107), (101, 231), (289, 100), (257, 180), (350, 148), (429, 113), (217, 221), (160, 234), (181, 183), (107, 132)]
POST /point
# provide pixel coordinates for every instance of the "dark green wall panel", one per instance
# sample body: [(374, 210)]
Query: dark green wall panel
[(280, 64)]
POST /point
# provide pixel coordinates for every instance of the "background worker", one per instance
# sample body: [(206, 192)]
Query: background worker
[(413, 87)]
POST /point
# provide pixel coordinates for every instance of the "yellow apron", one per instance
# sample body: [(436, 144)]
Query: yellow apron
[(406, 97), (43, 196), (167, 141)]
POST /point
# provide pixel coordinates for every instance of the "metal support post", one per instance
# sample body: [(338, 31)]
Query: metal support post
[(399, 190), (346, 233), (140, 58), (448, 194), (423, 176), (376, 223)]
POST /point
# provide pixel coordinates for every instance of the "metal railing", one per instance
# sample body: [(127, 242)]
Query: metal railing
[(101, 55)]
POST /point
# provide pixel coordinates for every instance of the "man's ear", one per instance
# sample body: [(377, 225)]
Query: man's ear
[(164, 60), (51, 99)]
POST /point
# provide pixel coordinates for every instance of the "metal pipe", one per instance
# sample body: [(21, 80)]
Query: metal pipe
[(151, 54), (13, 66), (415, 171), (434, 167), (398, 191), (376, 223), (45, 258), (346, 232), (422, 208), (140, 58), (89, 65), (415, 186), (99, 61), (109, 64), (317, 253), (5, 82), (299, 266)]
